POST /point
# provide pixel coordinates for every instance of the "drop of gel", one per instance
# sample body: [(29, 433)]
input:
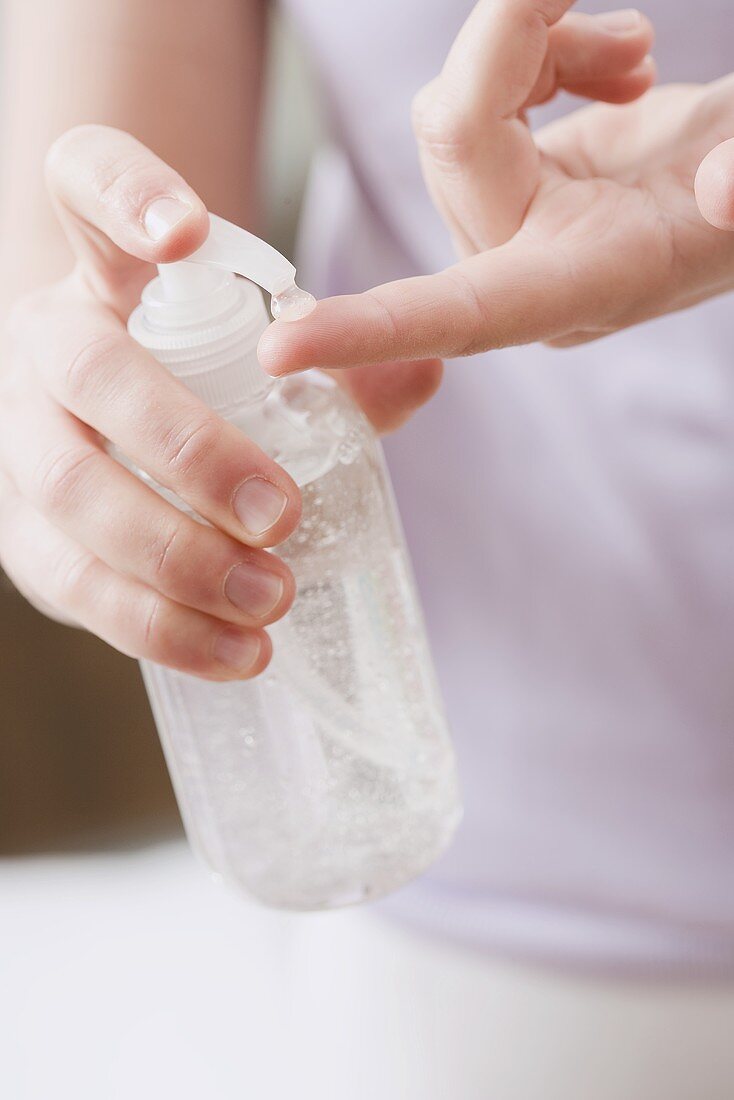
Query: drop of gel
[(292, 304)]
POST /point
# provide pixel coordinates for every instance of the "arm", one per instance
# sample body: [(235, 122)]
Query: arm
[(183, 76)]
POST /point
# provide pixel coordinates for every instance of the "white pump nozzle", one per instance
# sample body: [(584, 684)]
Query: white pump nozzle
[(229, 248), (204, 324)]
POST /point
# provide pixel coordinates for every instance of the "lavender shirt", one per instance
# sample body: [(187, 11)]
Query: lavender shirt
[(571, 520)]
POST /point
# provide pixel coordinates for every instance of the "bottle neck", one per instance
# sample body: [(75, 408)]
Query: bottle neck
[(208, 341)]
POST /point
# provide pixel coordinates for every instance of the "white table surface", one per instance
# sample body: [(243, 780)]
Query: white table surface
[(136, 977)]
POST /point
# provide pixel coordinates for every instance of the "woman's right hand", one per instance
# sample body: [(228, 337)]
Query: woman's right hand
[(607, 218), (80, 535)]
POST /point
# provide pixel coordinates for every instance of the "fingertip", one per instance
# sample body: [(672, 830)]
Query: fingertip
[(264, 657), (425, 377), (343, 331), (623, 88), (714, 186), (646, 71), (599, 45), (390, 393), (279, 349), (240, 654), (603, 57), (635, 83)]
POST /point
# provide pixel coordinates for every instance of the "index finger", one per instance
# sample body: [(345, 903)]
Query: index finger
[(488, 301)]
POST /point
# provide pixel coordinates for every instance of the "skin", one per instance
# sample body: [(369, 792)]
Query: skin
[(588, 227), (583, 228), (80, 536)]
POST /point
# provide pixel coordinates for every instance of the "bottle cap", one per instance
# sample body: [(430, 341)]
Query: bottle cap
[(204, 323)]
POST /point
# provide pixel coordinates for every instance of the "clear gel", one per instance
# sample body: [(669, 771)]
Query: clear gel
[(292, 304)]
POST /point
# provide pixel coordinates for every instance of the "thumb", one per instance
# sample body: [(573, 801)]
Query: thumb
[(715, 186), (514, 294), (119, 204)]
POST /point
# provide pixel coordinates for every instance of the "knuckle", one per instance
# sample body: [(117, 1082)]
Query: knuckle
[(66, 144), (168, 550), (79, 144), (73, 578), (62, 150), (190, 444), (478, 320), (442, 127), (151, 633), (60, 477), (124, 182), (389, 319), (82, 374)]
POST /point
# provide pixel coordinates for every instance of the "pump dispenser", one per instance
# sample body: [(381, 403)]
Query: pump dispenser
[(330, 778)]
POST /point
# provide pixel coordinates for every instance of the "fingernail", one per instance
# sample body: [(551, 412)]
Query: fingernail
[(237, 651), (259, 505), (621, 22), (254, 590), (162, 215)]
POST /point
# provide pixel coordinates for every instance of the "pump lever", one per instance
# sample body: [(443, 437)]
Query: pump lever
[(234, 249)]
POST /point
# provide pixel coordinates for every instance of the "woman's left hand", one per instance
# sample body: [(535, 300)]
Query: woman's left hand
[(609, 217)]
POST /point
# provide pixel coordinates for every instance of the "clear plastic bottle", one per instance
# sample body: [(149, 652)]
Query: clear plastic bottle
[(329, 779)]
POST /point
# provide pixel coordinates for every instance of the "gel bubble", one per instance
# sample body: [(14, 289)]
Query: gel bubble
[(292, 304)]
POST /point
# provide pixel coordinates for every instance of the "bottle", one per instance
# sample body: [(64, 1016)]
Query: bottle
[(330, 778)]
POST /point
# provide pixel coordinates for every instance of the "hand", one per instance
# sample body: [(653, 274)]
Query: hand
[(584, 228), (81, 536)]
